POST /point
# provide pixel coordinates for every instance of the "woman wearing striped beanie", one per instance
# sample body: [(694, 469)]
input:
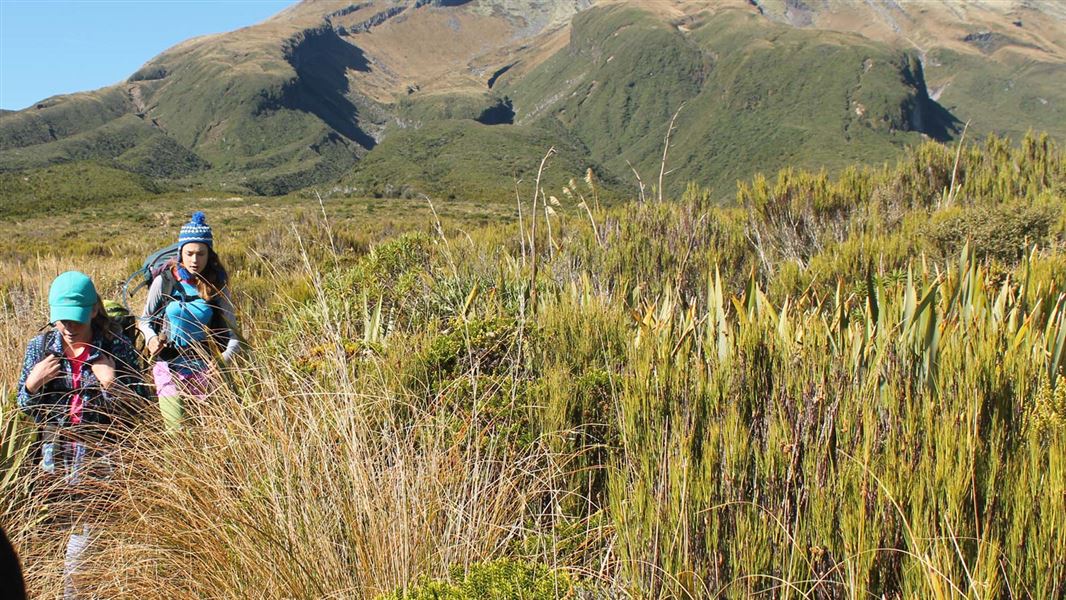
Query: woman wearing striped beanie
[(189, 320)]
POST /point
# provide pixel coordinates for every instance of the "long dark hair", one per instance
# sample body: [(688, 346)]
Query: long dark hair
[(212, 279), (102, 322)]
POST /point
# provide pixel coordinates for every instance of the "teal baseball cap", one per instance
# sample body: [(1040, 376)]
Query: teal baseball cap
[(72, 297)]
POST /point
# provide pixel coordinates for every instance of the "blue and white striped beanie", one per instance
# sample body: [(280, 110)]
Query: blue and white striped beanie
[(196, 230)]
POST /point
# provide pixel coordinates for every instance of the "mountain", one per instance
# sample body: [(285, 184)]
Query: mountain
[(463, 97), (997, 63)]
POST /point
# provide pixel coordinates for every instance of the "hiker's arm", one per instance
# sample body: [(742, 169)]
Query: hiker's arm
[(29, 392), (151, 307), (229, 316), (109, 394)]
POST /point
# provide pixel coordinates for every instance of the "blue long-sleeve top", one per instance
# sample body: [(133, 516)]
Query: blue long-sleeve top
[(166, 290)]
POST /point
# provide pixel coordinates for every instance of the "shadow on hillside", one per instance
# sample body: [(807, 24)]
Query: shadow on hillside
[(501, 113), (937, 122), (927, 115), (322, 60)]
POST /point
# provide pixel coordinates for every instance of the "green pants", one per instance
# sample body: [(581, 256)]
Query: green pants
[(172, 387), (173, 410)]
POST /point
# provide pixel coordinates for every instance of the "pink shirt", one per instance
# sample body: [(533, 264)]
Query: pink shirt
[(77, 402)]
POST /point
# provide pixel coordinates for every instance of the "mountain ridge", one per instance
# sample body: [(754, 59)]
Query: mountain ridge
[(306, 96)]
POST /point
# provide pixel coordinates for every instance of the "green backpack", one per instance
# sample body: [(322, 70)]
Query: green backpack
[(124, 323)]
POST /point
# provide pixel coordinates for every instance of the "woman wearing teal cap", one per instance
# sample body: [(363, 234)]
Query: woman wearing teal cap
[(188, 313), (78, 383)]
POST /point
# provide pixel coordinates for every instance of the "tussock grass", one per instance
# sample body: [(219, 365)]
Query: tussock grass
[(301, 495)]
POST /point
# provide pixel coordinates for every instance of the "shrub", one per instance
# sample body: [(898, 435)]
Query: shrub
[(1003, 232), (497, 580)]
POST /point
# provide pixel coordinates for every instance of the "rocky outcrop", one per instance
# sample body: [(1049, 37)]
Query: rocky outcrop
[(374, 21)]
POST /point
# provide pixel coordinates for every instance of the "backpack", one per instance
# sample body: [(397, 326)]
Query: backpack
[(152, 266), (124, 323), (217, 325)]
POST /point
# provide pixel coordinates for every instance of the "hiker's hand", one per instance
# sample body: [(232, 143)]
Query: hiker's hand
[(155, 345), (104, 369), (42, 372)]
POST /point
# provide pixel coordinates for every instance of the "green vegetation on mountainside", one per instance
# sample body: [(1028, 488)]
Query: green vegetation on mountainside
[(277, 118), (69, 187), (267, 115), (128, 142), (757, 96), (618, 82), (995, 97), (62, 116), (754, 95), (421, 110), (464, 159), (272, 108)]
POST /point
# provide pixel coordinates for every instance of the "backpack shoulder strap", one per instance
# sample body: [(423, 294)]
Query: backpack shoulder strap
[(166, 290), (167, 274)]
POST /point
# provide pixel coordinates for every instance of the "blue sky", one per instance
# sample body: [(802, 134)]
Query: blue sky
[(50, 47)]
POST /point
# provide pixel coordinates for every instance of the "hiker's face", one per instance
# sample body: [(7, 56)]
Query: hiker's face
[(76, 332), (194, 256)]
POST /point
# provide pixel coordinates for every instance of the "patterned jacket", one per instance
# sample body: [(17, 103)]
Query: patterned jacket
[(51, 404)]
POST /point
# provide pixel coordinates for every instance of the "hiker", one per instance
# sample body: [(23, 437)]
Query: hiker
[(80, 383), (188, 315)]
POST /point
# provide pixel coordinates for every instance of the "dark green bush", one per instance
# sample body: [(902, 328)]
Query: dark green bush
[(497, 580), (1004, 232)]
